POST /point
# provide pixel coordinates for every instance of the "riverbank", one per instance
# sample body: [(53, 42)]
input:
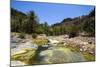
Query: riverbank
[(51, 49)]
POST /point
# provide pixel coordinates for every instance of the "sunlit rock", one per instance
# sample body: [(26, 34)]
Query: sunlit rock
[(17, 63)]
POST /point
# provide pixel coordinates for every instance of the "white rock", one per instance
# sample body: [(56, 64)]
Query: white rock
[(53, 41)]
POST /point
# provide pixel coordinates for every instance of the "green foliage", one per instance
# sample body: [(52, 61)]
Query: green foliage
[(21, 22), (89, 26), (22, 35), (16, 20), (72, 31), (58, 30), (34, 35), (29, 23)]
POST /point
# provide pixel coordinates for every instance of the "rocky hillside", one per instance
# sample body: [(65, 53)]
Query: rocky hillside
[(77, 20), (15, 12)]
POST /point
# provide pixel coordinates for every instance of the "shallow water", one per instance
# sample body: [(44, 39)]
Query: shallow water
[(61, 55), (51, 55)]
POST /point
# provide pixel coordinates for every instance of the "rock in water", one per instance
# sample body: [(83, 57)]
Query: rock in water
[(60, 55)]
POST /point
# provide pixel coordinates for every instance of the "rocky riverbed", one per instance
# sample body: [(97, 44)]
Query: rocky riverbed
[(59, 49)]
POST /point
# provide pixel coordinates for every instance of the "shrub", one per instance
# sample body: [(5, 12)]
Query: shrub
[(22, 35), (34, 35), (89, 26), (72, 31), (72, 34)]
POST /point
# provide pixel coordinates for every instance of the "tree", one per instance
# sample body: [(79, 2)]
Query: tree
[(30, 24), (92, 13), (40, 29), (72, 31), (89, 26), (46, 28), (17, 18)]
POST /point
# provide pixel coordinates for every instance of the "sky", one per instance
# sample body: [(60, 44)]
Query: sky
[(50, 12)]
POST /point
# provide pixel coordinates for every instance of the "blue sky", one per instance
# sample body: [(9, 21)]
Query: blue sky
[(50, 12)]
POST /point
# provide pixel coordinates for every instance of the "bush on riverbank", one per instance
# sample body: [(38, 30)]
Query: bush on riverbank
[(22, 35), (34, 35)]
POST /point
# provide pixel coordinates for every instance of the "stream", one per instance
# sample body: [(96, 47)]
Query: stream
[(51, 55)]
